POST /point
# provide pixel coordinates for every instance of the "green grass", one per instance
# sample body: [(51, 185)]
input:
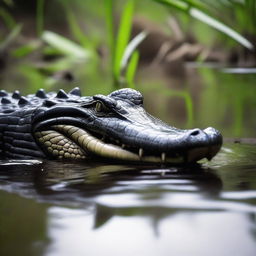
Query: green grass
[(75, 29), (122, 58), (198, 11), (110, 31), (11, 37), (131, 69), (7, 18), (123, 37), (123, 55), (65, 45), (40, 17)]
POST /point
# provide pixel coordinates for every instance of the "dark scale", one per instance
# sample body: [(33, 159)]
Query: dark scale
[(18, 109)]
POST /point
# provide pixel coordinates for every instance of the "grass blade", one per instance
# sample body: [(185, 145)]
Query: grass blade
[(177, 4), (221, 27), (65, 45), (207, 19), (76, 30), (40, 17), (8, 19), (130, 48), (26, 49), (123, 36), (110, 28), (11, 37), (131, 68)]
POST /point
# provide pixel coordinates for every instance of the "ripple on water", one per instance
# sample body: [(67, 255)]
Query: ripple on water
[(210, 187)]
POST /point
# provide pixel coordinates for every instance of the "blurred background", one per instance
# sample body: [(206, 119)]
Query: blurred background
[(194, 61)]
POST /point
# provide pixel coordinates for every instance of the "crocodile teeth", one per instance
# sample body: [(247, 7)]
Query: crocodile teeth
[(140, 152), (97, 148), (163, 157)]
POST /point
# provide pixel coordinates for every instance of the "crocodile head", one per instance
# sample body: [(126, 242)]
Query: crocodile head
[(117, 127)]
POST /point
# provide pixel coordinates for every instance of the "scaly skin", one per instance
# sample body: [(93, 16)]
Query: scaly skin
[(114, 127)]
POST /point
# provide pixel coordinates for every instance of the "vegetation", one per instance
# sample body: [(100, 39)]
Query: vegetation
[(123, 56), (201, 11)]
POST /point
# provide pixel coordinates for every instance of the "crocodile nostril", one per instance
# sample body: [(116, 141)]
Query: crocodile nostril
[(195, 132)]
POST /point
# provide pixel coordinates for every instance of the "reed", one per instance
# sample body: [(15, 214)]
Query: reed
[(202, 12)]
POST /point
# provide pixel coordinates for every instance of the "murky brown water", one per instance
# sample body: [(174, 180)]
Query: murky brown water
[(56, 208)]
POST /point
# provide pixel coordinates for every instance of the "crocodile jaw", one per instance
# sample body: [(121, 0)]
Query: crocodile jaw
[(67, 141)]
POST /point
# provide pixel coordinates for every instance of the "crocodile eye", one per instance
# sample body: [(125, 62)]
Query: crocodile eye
[(100, 107)]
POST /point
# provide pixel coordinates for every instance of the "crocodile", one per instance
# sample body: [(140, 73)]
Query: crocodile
[(116, 127)]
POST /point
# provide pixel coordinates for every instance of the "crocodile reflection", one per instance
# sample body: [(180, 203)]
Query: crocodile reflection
[(87, 186)]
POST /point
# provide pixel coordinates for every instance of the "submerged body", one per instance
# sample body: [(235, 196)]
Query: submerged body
[(115, 127)]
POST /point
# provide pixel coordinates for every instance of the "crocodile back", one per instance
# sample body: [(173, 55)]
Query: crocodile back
[(16, 114), (16, 139)]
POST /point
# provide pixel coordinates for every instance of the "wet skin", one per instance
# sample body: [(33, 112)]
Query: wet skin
[(115, 127)]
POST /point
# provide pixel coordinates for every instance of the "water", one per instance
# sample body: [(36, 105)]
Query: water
[(64, 208)]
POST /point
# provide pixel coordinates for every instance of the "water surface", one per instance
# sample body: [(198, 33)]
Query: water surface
[(89, 208), (65, 208)]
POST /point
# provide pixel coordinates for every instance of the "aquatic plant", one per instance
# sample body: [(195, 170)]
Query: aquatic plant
[(123, 53), (202, 12)]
